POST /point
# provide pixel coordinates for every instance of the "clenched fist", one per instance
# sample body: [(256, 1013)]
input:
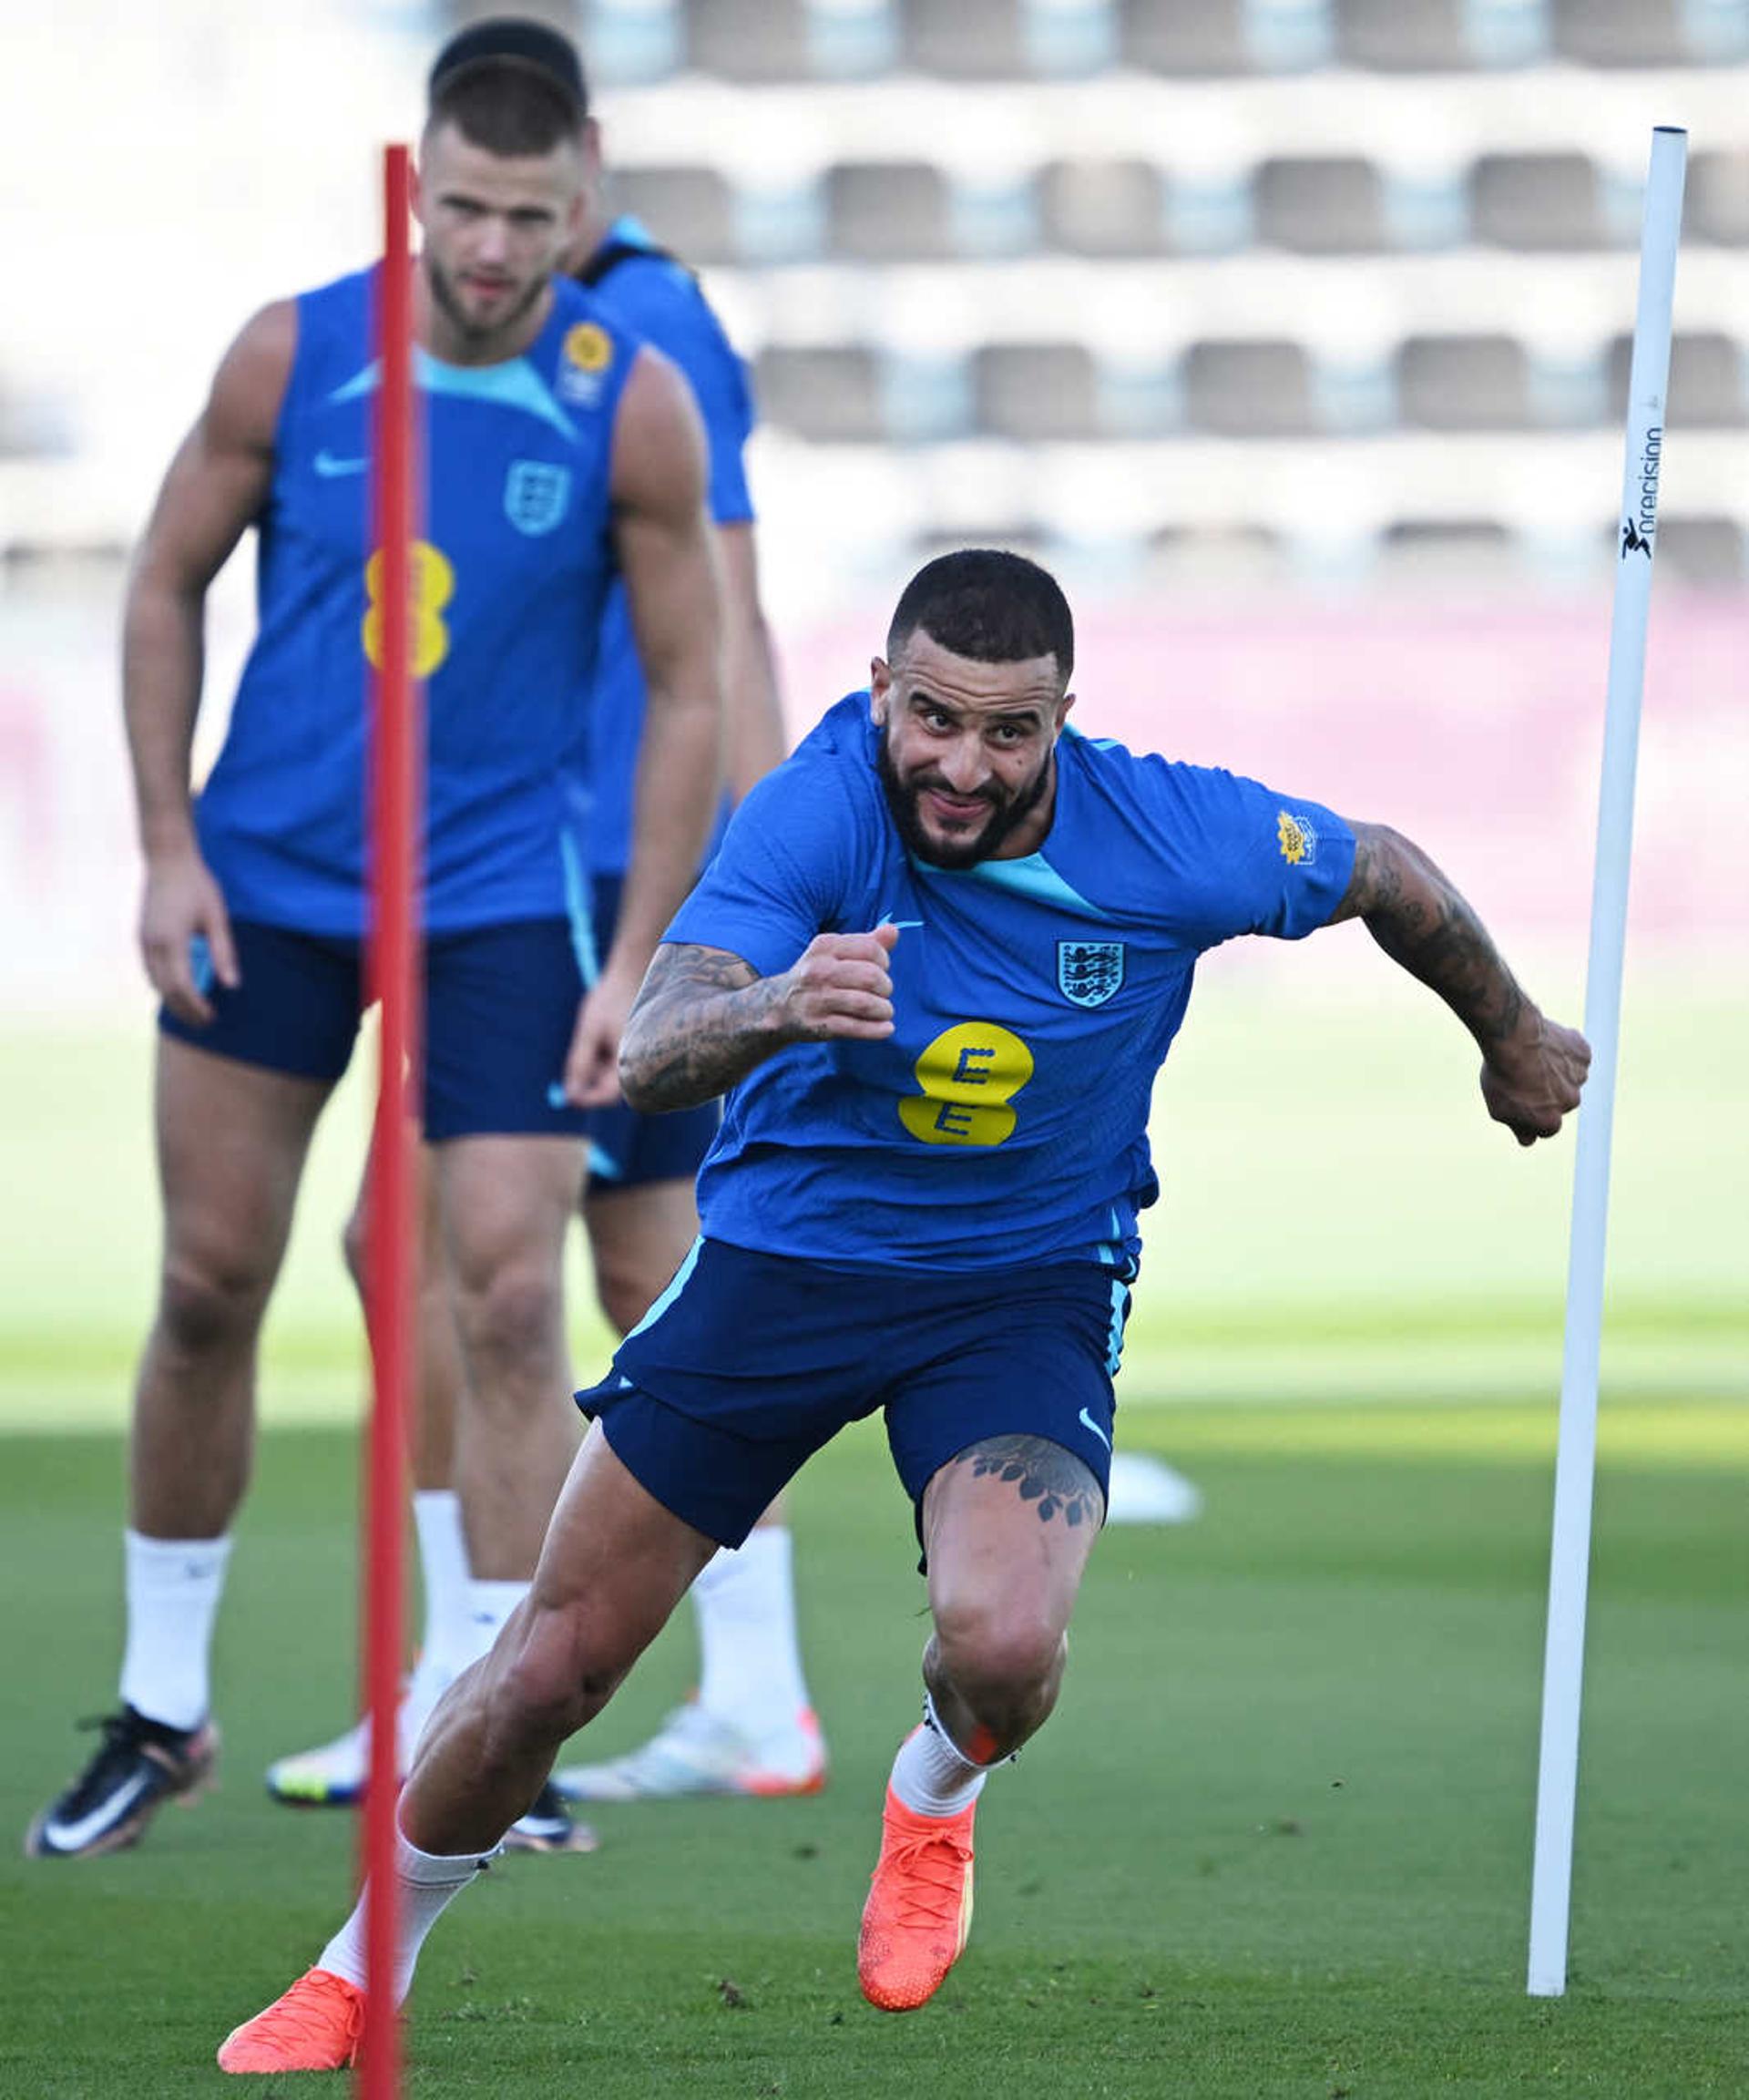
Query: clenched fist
[(838, 989), (1533, 1079)]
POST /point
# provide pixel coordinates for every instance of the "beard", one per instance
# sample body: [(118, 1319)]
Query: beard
[(446, 296), (1008, 809)]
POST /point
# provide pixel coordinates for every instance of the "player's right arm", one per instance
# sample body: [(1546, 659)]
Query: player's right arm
[(215, 485), (704, 1018)]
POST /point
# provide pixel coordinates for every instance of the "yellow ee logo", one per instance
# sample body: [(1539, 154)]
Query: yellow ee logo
[(588, 346), (1296, 837), (969, 1075), (433, 585)]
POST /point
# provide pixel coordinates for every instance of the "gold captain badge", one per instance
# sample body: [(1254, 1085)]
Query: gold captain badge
[(589, 347), (1296, 838), (969, 1075)]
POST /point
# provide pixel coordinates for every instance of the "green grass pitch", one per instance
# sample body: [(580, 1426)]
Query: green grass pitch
[(1276, 1840)]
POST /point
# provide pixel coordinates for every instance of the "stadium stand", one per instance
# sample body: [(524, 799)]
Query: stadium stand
[(1060, 256)]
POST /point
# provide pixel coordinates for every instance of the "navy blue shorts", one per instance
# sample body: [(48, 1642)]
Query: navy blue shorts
[(748, 1363), (500, 1005), (628, 1150)]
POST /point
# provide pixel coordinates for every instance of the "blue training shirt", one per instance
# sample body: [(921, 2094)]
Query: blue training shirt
[(1005, 1121), (657, 298), (509, 584)]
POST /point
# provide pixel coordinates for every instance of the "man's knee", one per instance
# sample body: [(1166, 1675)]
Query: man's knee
[(1000, 1658), (207, 1304), (510, 1314)]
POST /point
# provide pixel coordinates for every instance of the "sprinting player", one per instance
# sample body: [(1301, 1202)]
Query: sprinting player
[(939, 959), (750, 1730), (556, 444)]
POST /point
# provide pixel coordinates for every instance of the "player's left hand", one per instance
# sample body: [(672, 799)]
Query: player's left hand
[(1533, 1079), (592, 1062)]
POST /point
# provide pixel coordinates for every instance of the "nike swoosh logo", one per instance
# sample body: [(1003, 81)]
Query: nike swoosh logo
[(71, 1836), (1088, 1422), (331, 468), (900, 924)]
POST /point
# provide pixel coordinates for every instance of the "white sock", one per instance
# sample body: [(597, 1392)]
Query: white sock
[(449, 1642), (426, 1883), (489, 1604), (751, 1665), (173, 1587), (929, 1774)]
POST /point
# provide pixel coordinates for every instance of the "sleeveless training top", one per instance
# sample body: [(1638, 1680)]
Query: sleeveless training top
[(509, 581)]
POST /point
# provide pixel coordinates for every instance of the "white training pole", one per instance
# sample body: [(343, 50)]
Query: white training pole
[(1575, 1461)]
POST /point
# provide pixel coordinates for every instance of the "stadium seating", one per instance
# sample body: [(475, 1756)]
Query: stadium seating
[(1053, 247), (1709, 380), (1102, 207), (1440, 34), (1330, 205), (1717, 198)]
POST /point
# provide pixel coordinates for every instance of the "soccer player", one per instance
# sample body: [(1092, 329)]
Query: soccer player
[(557, 446), (752, 1730), (941, 956)]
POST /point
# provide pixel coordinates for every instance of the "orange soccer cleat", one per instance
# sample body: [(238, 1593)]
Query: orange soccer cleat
[(315, 2026), (919, 1907)]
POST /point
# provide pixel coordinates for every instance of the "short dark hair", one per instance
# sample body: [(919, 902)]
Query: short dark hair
[(507, 110), (989, 605)]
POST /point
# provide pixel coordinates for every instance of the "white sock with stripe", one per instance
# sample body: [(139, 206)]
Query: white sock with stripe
[(930, 1775)]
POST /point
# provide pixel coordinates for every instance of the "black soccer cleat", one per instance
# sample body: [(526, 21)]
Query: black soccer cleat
[(549, 1827), (138, 1767)]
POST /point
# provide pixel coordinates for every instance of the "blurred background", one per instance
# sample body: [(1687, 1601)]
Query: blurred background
[(1293, 333)]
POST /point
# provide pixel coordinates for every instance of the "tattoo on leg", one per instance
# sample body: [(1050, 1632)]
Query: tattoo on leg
[(1044, 1472)]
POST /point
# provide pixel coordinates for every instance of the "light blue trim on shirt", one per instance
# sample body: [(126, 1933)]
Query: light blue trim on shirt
[(514, 384), (1032, 876), (361, 383), (578, 911), (673, 1290)]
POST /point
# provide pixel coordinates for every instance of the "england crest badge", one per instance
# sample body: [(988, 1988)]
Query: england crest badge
[(1089, 972), (536, 496)]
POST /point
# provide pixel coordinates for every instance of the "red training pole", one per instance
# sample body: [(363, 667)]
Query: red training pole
[(391, 1237)]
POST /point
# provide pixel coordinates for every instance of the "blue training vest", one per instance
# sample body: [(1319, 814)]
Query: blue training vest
[(509, 580)]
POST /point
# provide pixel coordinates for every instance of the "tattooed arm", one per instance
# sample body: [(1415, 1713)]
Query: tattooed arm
[(1532, 1068), (704, 1018)]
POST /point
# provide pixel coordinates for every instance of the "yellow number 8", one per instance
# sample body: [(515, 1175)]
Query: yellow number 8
[(434, 585), (967, 1076)]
